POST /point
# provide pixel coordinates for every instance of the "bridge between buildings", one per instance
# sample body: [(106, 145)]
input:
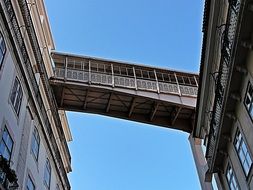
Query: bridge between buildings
[(134, 92)]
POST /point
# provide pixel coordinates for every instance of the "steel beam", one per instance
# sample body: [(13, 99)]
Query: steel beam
[(176, 115), (132, 107), (109, 103), (153, 111), (86, 99), (62, 96)]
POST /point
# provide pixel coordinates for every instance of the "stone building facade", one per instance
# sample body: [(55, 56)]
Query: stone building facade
[(224, 106), (33, 133)]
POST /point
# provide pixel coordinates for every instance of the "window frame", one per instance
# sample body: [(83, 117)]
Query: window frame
[(232, 177), (250, 108), (48, 171), (2, 49), (241, 152), (16, 95), (5, 143), (35, 141), (29, 178)]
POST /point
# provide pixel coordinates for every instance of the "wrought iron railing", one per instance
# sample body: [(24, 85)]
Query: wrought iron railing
[(27, 63), (228, 39), (130, 82), (5, 182), (8, 178)]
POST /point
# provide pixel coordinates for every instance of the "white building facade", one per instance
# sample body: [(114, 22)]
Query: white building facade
[(33, 134)]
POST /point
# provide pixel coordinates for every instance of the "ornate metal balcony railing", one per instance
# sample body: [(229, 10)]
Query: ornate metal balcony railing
[(5, 183), (8, 178), (228, 39), (28, 66), (126, 80)]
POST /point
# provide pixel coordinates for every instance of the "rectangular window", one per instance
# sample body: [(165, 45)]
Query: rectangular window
[(47, 174), (6, 145), (2, 49), (248, 101), (35, 143), (16, 95), (231, 179), (29, 184), (242, 152)]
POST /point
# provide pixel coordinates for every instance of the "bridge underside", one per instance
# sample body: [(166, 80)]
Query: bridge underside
[(91, 99), (169, 110)]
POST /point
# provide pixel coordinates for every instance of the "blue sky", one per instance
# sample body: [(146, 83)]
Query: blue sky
[(114, 154)]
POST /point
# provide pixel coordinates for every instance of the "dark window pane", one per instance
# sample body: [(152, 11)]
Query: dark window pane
[(6, 145)]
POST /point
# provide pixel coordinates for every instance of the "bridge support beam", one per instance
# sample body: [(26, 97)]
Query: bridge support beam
[(109, 103), (200, 162), (153, 112), (86, 99), (132, 107)]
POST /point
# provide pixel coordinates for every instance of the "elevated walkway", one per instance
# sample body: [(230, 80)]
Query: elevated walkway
[(134, 92)]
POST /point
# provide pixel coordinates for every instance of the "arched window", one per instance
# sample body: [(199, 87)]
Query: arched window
[(47, 174), (16, 95), (35, 146)]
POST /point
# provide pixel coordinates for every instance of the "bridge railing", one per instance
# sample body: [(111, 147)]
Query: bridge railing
[(127, 76)]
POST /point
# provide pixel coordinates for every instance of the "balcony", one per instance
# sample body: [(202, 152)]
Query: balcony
[(8, 178)]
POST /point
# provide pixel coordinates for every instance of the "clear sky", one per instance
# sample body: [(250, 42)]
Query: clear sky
[(114, 154)]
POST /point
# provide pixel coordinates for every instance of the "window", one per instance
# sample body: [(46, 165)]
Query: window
[(35, 143), (248, 101), (243, 153), (16, 95), (47, 174), (29, 184), (231, 179), (6, 145), (2, 49)]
